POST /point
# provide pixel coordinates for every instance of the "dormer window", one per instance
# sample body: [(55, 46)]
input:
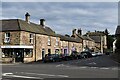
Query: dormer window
[(57, 41), (31, 38), (49, 41), (7, 37)]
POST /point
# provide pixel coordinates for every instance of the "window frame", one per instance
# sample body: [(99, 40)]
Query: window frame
[(31, 38), (49, 41), (7, 37), (57, 41)]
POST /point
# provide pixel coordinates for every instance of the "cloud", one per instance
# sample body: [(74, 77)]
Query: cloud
[(66, 16)]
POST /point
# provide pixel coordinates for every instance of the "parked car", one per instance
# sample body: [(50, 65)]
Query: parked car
[(99, 53), (65, 57), (52, 58), (74, 55), (94, 54), (86, 54)]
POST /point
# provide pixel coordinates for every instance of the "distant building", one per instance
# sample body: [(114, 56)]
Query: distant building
[(100, 39), (117, 34), (87, 42)]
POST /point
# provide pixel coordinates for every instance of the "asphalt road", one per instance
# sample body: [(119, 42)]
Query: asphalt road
[(101, 67)]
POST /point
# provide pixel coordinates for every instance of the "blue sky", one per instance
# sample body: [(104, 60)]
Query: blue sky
[(62, 17)]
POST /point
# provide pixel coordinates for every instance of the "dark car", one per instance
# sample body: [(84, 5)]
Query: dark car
[(52, 58), (86, 54), (75, 55), (65, 57)]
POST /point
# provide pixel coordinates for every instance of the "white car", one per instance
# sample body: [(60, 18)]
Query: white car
[(99, 53), (94, 54)]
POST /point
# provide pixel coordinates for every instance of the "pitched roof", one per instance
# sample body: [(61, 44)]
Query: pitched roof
[(71, 39), (96, 38), (83, 37), (87, 38), (20, 25), (97, 33), (118, 30)]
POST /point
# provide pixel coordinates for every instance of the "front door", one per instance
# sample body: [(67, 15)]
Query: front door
[(19, 55), (43, 54)]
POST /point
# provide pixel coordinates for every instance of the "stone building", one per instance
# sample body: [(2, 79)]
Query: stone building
[(69, 44), (24, 41), (100, 39), (87, 42)]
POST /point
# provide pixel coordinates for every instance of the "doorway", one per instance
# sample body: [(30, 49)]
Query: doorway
[(19, 55), (43, 54)]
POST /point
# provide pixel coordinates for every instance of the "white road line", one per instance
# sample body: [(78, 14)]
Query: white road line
[(93, 67), (104, 68), (83, 67), (11, 75), (92, 63), (46, 74)]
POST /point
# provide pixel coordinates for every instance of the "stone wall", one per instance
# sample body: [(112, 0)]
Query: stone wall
[(14, 38)]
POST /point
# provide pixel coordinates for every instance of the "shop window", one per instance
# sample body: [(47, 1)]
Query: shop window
[(28, 53), (6, 53), (49, 41), (7, 37), (31, 38), (57, 41)]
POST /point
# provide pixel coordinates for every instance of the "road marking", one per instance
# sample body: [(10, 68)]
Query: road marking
[(93, 67), (46, 74), (104, 68), (59, 65), (83, 67), (11, 75), (92, 63)]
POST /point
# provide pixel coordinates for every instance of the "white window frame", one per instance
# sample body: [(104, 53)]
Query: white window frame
[(31, 38), (49, 41), (57, 41), (7, 38)]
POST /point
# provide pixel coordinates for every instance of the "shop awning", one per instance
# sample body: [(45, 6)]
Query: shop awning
[(16, 46)]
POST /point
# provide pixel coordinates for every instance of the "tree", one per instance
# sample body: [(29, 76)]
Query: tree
[(118, 43), (106, 32)]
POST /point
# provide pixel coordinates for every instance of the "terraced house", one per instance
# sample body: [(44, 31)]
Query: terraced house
[(24, 41), (88, 44), (100, 39)]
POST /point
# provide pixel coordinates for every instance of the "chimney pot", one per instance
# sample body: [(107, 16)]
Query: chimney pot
[(27, 17), (79, 32), (42, 22)]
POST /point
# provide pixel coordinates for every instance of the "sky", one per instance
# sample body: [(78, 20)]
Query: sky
[(63, 17)]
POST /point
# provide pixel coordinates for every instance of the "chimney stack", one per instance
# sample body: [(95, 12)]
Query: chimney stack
[(79, 32), (74, 32), (42, 22), (27, 17)]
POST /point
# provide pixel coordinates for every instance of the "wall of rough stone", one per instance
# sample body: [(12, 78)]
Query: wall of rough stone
[(14, 38)]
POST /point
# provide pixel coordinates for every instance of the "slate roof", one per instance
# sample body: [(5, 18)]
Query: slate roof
[(71, 39), (97, 33), (85, 37), (20, 25), (96, 38), (118, 30)]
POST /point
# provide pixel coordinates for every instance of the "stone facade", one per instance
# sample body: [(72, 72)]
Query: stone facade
[(40, 42)]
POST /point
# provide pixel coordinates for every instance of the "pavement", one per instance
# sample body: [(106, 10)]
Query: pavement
[(101, 67)]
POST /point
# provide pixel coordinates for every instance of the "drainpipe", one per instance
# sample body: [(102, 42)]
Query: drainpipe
[(101, 44), (35, 47), (68, 48)]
